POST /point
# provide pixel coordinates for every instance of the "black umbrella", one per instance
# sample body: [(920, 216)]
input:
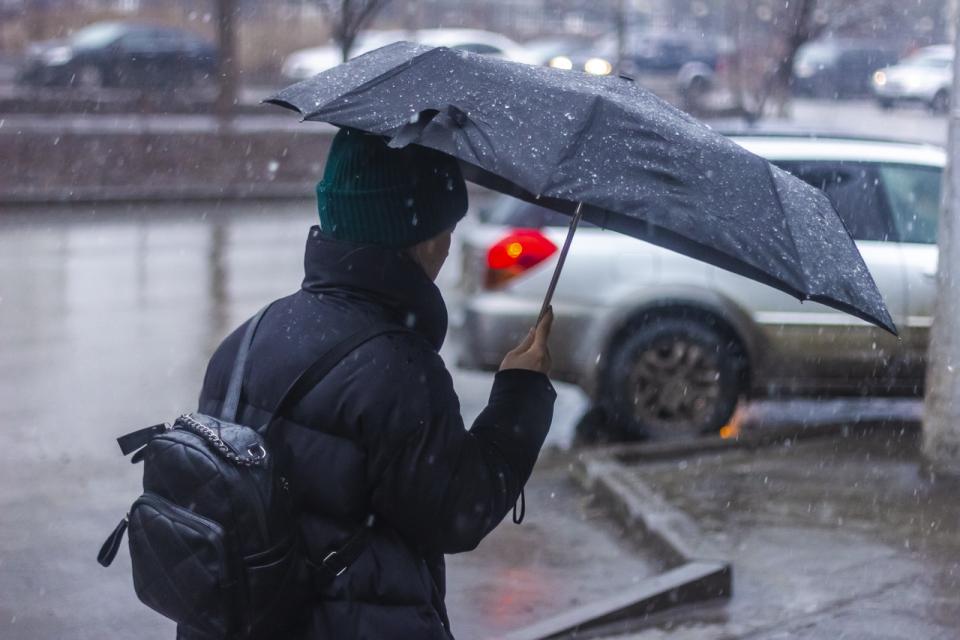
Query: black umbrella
[(606, 149)]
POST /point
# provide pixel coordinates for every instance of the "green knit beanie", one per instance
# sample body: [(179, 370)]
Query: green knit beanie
[(372, 194)]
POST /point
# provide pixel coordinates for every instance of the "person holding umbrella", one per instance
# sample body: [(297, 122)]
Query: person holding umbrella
[(380, 443)]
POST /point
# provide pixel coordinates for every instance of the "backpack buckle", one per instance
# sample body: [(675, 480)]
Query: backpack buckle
[(328, 561), (257, 452)]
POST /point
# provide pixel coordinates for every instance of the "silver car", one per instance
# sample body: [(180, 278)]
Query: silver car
[(666, 346), (926, 76)]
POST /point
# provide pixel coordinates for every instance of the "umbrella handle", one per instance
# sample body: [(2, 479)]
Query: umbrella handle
[(563, 258)]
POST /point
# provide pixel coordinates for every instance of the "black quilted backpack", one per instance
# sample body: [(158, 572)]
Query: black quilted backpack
[(213, 544)]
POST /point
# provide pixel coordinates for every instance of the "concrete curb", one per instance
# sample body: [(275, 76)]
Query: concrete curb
[(690, 582), (98, 160), (697, 571), (767, 437)]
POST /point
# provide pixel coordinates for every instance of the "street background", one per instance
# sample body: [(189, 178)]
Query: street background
[(137, 231)]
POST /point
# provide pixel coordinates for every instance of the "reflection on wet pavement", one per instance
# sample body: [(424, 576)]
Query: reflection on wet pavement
[(565, 554)]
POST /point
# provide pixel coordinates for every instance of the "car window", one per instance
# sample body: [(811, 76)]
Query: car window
[(929, 61), (914, 196), (511, 212), (479, 47), (866, 58), (517, 213), (139, 41), (96, 35), (816, 57), (856, 194)]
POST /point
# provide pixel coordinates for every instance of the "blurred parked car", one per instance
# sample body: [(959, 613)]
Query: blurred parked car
[(706, 72), (668, 53), (543, 50), (115, 54), (647, 54), (307, 63), (598, 58), (667, 345), (925, 76), (838, 68)]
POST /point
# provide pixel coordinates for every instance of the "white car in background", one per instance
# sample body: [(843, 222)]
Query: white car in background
[(307, 63), (666, 346), (925, 76)]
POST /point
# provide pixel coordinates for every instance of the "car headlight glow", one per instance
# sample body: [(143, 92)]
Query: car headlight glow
[(561, 62), (804, 71), (58, 56), (879, 78), (597, 67)]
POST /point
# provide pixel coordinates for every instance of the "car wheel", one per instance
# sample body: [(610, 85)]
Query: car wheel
[(675, 378), (940, 102), (88, 77)]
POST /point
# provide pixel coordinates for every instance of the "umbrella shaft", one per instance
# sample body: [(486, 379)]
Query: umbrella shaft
[(563, 258)]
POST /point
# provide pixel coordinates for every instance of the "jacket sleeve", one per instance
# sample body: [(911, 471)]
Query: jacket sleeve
[(444, 487)]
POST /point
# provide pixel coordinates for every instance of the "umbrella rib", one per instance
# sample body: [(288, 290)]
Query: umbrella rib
[(373, 82), (793, 239), (570, 150)]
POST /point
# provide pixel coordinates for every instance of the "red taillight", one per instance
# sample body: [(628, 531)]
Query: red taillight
[(514, 254)]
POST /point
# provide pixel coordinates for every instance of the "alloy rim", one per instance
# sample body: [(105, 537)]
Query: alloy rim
[(676, 383)]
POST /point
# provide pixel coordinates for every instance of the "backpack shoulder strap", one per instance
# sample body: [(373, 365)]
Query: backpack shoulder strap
[(313, 374), (232, 399), (134, 440)]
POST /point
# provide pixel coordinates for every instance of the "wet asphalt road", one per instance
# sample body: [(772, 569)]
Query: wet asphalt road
[(107, 317), (908, 122)]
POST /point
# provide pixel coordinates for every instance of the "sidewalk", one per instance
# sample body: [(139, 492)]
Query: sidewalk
[(835, 537)]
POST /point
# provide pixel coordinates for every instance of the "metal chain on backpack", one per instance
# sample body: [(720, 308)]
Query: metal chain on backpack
[(192, 424)]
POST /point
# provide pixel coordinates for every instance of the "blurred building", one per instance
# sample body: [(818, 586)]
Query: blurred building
[(912, 23)]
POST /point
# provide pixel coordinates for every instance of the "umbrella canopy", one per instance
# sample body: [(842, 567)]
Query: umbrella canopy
[(634, 163)]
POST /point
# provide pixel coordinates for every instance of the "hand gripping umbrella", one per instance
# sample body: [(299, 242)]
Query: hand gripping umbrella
[(606, 150)]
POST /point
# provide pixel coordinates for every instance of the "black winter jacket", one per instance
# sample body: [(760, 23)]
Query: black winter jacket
[(382, 434)]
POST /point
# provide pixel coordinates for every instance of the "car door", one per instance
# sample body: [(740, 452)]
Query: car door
[(136, 58), (169, 57), (841, 352), (913, 194), (481, 48)]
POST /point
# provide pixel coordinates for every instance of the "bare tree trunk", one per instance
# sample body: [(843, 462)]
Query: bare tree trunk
[(620, 26), (800, 31), (411, 17), (227, 64), (346, 44), (941, 415), (352, 16)]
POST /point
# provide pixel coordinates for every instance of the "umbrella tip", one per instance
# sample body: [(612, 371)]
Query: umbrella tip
[(626, 76)]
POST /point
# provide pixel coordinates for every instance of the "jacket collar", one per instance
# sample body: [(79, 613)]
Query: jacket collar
[(387, 277)]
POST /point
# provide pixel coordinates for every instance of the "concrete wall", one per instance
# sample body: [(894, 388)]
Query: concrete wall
[(132, 157)]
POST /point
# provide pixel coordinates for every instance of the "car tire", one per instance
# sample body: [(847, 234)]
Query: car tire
[(675, 378), (940, 102)]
